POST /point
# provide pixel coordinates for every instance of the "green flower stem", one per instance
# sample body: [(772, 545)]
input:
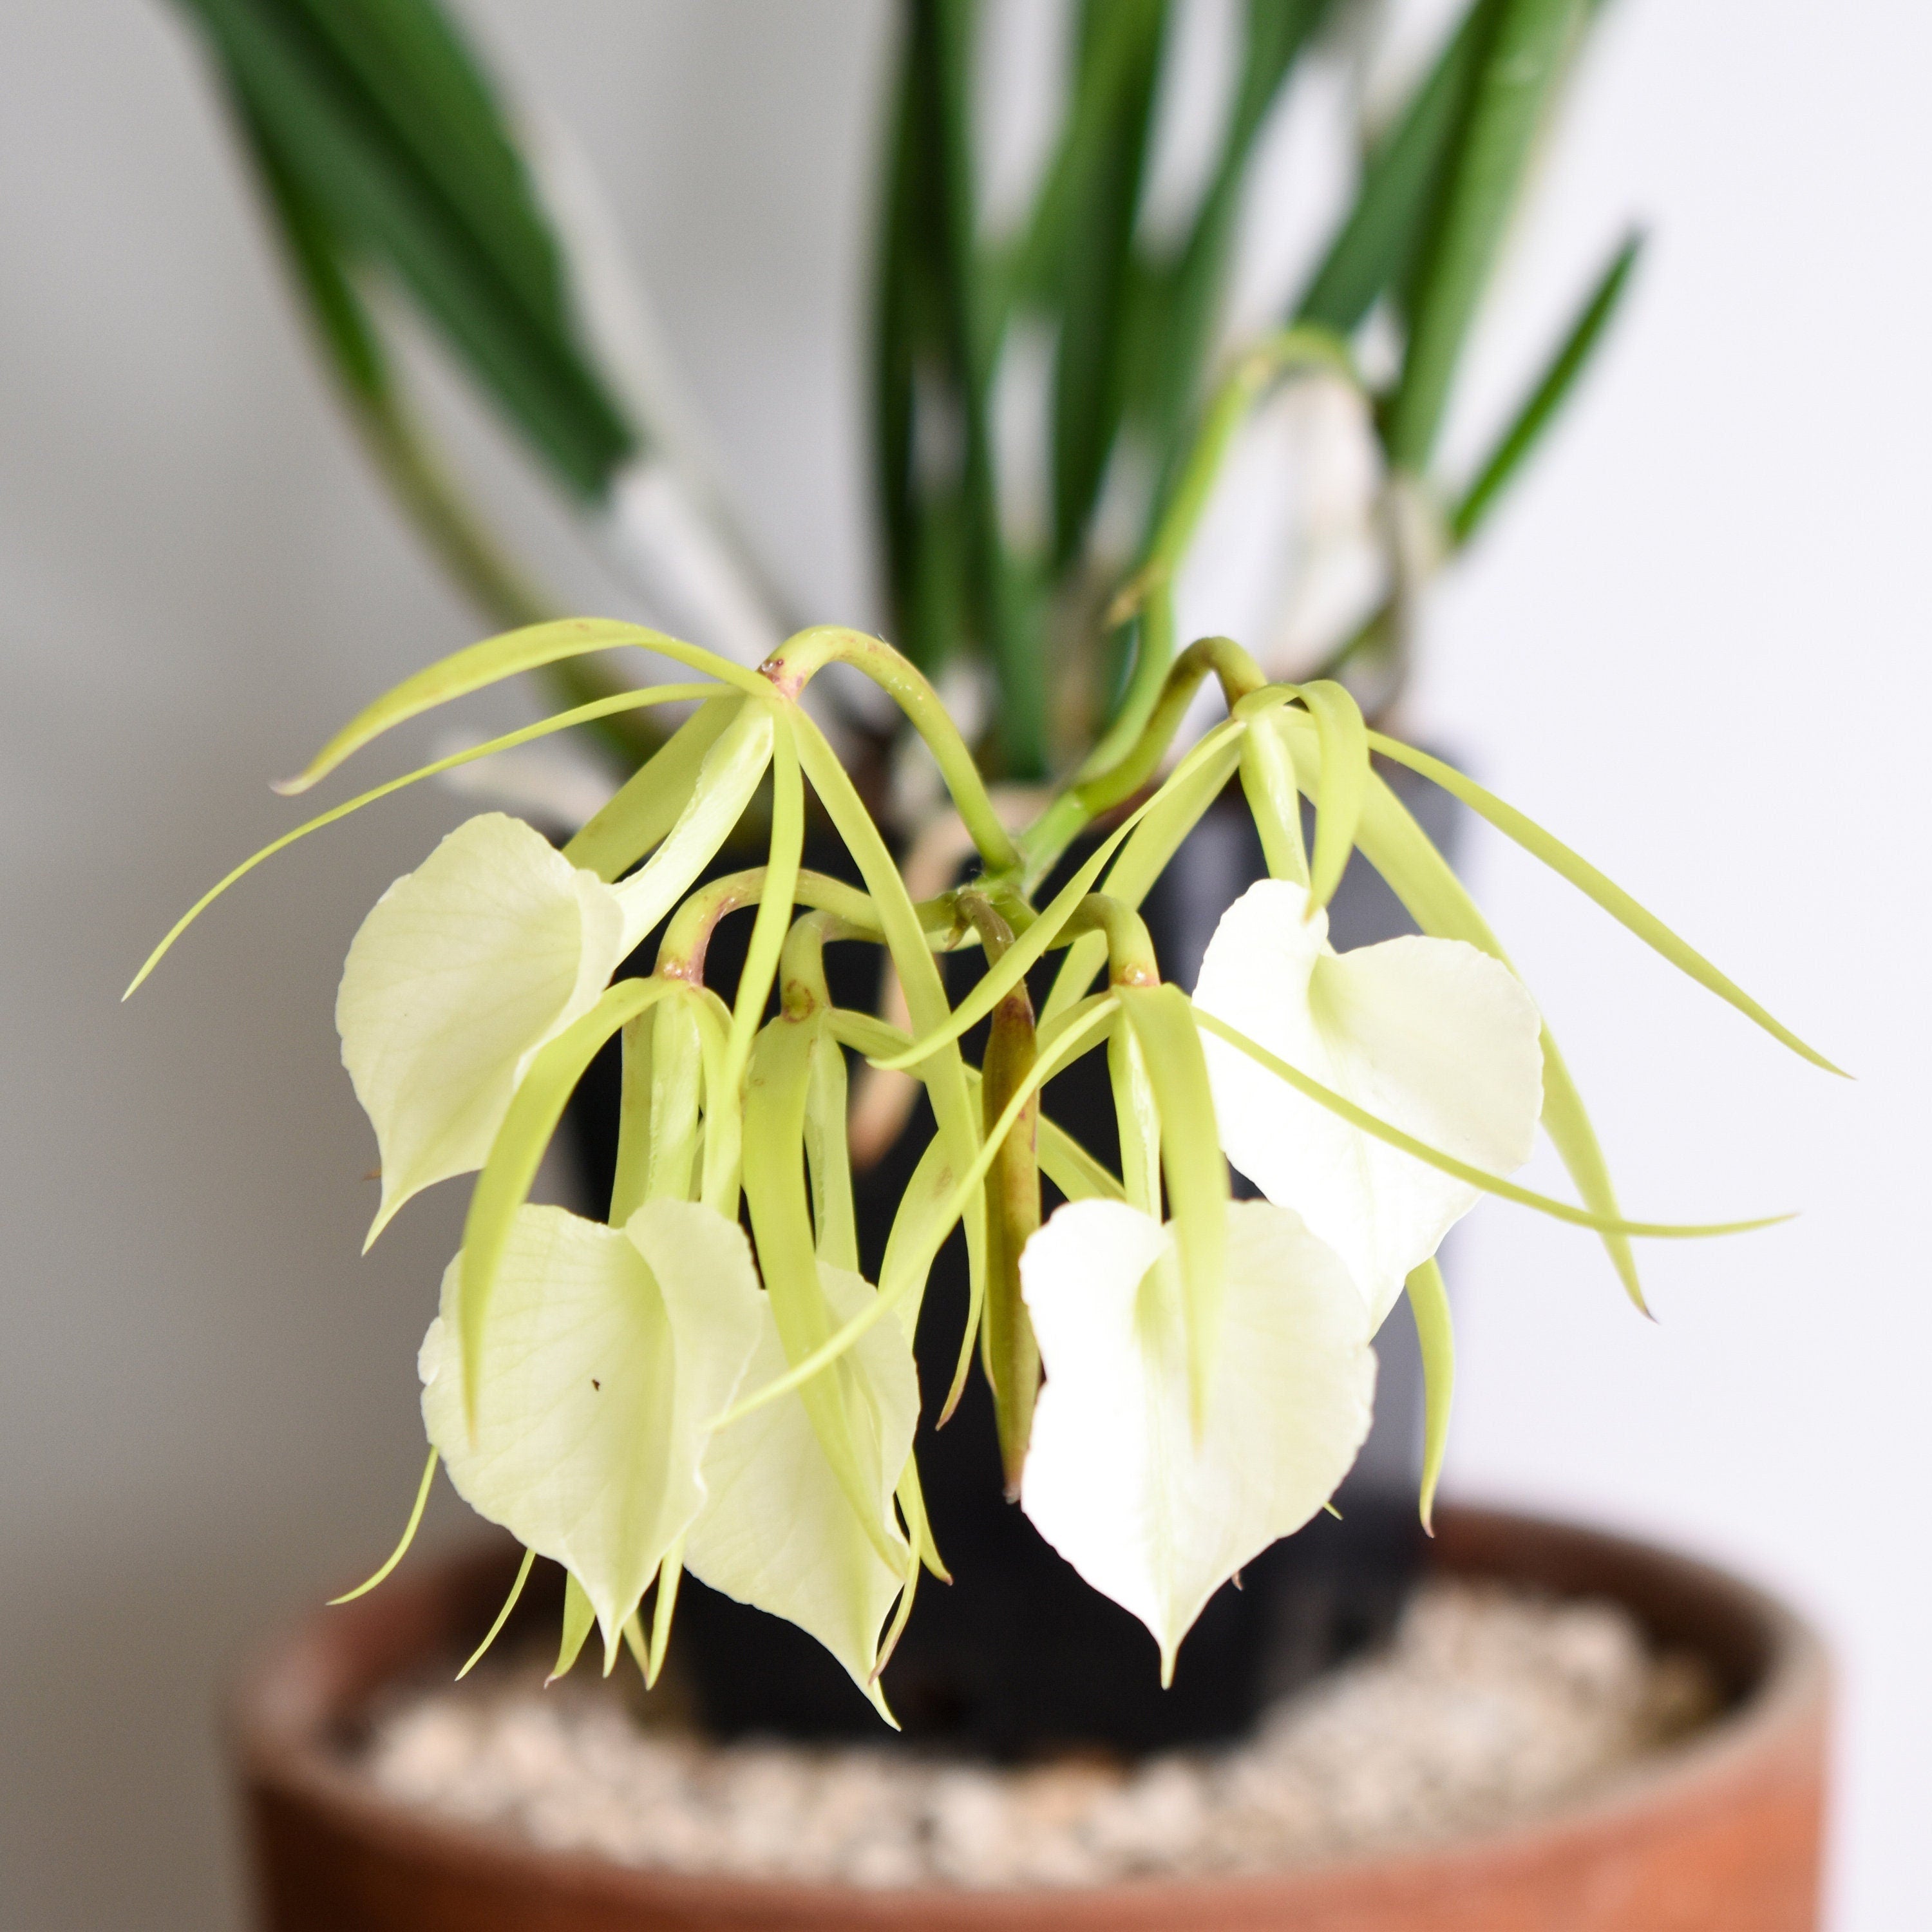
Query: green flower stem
[(1306, 349), (1130, 953), (799, 658), (687, 938), (1086, 1029), (775, 904), (802, 984), (1009, 1352), (1050, 835), (676, 1084)]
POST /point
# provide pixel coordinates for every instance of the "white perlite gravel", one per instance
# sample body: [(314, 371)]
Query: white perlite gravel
[(1489, 1705)]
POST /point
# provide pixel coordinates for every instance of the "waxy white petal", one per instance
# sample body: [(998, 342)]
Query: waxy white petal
[(778, 1530), (1429, 1035), (607, 1354), (1150, 1514), (462, 970)]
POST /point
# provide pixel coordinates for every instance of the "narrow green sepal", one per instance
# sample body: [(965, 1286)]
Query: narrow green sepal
[(1461, 1170), (409, 1536), (1428, 1304), (496, 1630), (578, 1616)]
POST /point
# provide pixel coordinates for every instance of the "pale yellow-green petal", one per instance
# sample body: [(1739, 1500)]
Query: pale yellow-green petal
[(608, 1353), (1428, 1035), (727, 779), (461, 971), (777, 1529), (1152, 1512), (496, 658)]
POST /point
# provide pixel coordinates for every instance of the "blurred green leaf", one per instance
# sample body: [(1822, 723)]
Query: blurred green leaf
[(1180, 321), (1376, 244), (1117, 63), (1519, 68), (378, 113), (937, 340), (1539, 407)]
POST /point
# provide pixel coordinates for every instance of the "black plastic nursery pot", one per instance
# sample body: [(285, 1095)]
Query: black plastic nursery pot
[(1018, 1656)]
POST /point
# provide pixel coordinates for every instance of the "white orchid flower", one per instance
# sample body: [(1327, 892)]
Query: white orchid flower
[(1150, 1512), (778, 1531), (468, 966), (1429, 1035), (608, 1354)]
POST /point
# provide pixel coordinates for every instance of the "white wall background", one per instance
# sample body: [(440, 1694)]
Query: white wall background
[(1696, 645)]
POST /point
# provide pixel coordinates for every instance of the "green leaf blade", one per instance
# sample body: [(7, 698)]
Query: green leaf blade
[(1546, 399)]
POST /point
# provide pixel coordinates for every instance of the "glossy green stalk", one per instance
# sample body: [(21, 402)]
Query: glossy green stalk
[(389, 126), (1118, 61), (1297, 351), (1376, 248), (776, 899), (1184, 303), (1010, 1353), (799, 658), (945, 1075), (938, 338)]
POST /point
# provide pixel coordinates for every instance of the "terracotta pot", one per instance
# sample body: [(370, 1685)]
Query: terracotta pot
[(1720, 1834)]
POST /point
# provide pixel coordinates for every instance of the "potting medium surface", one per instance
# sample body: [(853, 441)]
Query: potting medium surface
[(1491, 1704)]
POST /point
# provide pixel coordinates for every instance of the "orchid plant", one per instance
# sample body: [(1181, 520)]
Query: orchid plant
[(703, 1380), (1180, 1378)]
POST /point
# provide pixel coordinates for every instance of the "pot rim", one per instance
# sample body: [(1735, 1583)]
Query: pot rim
[(286, 1703)]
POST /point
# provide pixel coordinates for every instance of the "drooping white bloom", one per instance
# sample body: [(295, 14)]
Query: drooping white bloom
[(1429, 1035), (778, 1531), (464, 968), (1150, 1513), (607, 1354), (467, 966)]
